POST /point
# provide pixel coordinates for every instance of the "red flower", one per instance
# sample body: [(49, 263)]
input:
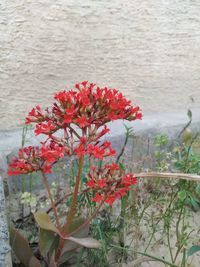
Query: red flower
[(70, 111), (129, 179), (113, 166), (138, 116), (95, 151), (110, 199), (87, 105), (103, 132), (82, 121), (45, 128), (115, 183), (35, 115), (28, 161), (91, 183), (90, 108), (68, 118), (112, 116), (121, 192), (52, 152), (101, 183), (98, 198), (65, 98), (80, 150)]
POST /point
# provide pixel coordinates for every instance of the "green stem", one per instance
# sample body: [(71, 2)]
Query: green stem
[(147, 255), (169, 243), (158, 259)]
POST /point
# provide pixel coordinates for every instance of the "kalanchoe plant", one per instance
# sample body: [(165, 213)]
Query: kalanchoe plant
[(81, 116)]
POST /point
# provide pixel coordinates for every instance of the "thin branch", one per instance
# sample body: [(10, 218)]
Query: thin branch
[(168, 175), (65, 197), (129, 131), (51, 200), (75, 133), (188, 124)]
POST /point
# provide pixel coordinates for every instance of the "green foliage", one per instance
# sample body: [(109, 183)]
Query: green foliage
[(193, 250), (161, 140)]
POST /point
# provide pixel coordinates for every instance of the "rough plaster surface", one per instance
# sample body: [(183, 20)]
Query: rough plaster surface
[(149, 49)]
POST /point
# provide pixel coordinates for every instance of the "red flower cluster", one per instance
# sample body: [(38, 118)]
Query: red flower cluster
[(110, 183), (97, 151), (89, 105), (28, 161), (33, 159), (79, 116)]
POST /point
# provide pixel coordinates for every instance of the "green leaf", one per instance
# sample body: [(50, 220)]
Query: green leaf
[(194, 203), (193, 250), (22, 249), (189, 113), (48, 242), (76, 223), (44, 222), (197, 189), (121, 165), (182, 195)]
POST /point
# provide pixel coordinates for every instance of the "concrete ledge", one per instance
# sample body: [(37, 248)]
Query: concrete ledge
[(10, 140)]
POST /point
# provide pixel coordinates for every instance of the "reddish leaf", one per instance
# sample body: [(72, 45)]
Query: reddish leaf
[(22, 249), (34, 262), (69, 246), (76, 222)]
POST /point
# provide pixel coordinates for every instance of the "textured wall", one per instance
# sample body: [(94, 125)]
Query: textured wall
[(149, 49)]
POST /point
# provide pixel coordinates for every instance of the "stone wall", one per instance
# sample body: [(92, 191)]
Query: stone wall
[(149, 49), (5, 257)]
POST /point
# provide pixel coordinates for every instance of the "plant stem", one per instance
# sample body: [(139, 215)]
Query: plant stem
[(169, 243), (158, 259), (184, 258), (128, 132), (177, 233), (45, 182), (147, 255), (74, 132), (74, 197), (65, 228)]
